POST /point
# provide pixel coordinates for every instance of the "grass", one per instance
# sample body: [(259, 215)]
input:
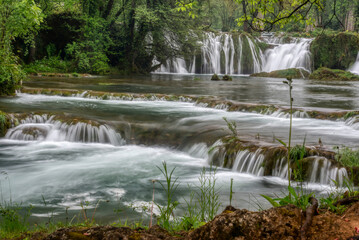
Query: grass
[(347, 157)]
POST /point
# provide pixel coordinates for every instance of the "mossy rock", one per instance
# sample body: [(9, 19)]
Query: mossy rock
[(333, 75), (215, 77), (286, 73), (336, 51), (227, 78), (5, 123)]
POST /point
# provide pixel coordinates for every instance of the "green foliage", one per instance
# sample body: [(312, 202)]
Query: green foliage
[(18, 18), (5, 123), (350, 115), (330, 202), (264, 15), (204, 202), (232, 126), (286, 73), (208, 196), (335, 51), (11, 75), (169, 187), (89, 53), (333, 75), (294, 196), (191, 219), (297, 154), (347, 157), (231, 192), (12, 222), (49, 65)]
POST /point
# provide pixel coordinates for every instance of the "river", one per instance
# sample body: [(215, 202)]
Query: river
[(89, 151)]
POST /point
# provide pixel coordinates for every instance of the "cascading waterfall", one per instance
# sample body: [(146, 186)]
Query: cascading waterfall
[(282, 114), (45, 128), (355, 68), (227, 54), (248, 162), (353, 122), (291, 55), (221, 54), (320, 169)]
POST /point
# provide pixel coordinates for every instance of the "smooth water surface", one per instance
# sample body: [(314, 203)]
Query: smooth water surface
[(306, 93)]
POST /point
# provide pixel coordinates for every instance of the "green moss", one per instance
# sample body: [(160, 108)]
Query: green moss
[(337, 51), (351, 114), (286, 73), (227, 78), (215, 77), (333, 75), (5, 123)]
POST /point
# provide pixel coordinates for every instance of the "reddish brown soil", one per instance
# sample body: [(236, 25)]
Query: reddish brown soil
[(275, 223)]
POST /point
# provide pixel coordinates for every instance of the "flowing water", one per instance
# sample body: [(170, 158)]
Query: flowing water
[(76, 150), (240, 54), (355, 68)]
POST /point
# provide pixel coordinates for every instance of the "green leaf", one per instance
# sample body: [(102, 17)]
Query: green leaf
[(292, 191), (271, 201), (281, 142)]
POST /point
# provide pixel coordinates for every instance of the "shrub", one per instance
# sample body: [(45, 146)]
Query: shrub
[(11, 75)]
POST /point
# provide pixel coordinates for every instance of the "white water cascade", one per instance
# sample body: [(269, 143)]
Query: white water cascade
[(321, 170), (355, 68), (290, 55), (232, 54), (222, 54), (45, 128)]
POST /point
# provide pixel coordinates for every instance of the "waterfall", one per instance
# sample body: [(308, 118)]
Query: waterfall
[(355, 68), (291, 55), (261, 163), (221, 54), (248, 162), (353, 122), (45, 128), (240, 54)]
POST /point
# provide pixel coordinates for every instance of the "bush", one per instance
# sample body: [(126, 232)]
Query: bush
[(49, 65), (11, 75), (348, 157), (89, 54)]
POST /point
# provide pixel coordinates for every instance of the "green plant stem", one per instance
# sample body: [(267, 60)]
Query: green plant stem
[(290, 129)]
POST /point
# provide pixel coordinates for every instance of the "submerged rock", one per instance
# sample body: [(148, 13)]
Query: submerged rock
[(333, 75), (227, 78), (215, 78), (286, 73)]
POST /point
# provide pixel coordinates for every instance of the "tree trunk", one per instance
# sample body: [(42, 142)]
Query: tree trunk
[(246, 27), (350, 20), (131, 27)]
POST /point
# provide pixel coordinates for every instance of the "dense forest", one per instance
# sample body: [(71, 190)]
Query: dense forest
[(126, 36)]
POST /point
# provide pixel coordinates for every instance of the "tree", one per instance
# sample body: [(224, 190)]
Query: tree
[(264, 15), (18, 18)]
